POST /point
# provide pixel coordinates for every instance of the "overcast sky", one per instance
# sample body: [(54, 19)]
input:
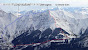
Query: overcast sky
[(73, 3)]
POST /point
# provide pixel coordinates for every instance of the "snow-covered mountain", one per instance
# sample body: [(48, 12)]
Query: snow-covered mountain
[(71, 20)]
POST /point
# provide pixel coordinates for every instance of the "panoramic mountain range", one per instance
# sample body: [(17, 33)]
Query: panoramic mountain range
[(40, 26)]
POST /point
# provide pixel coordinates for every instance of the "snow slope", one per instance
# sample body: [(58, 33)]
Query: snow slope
[(71, 22)]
